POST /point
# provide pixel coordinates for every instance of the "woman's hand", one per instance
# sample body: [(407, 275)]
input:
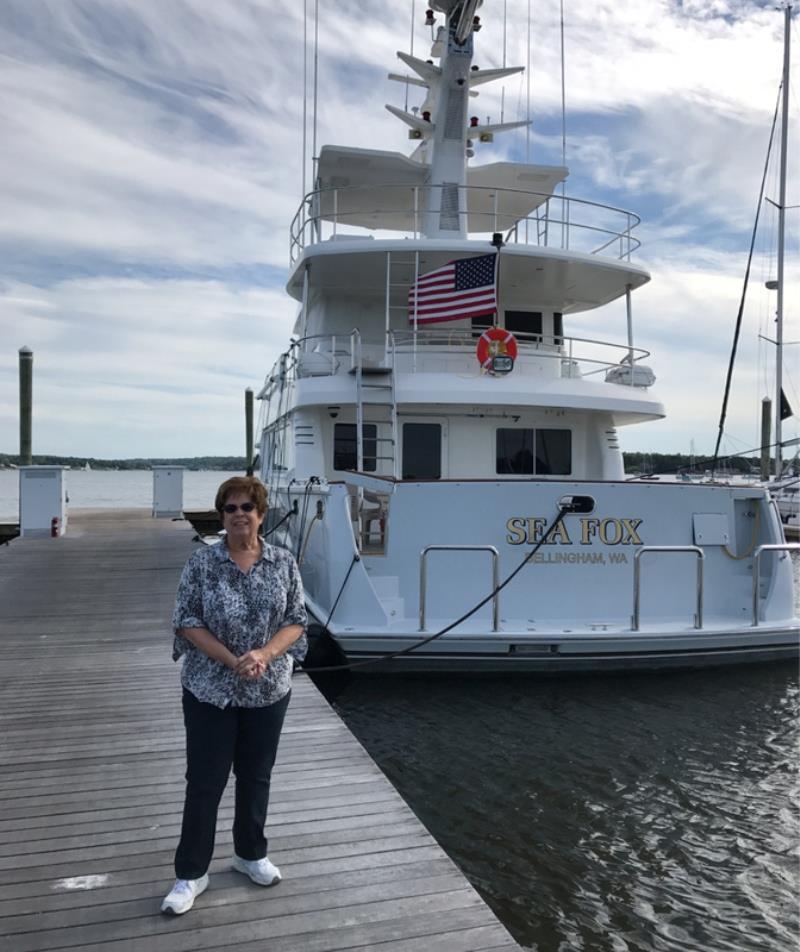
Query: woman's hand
[(252, 665)]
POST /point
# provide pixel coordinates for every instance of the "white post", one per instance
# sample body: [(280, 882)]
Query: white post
[(630, 327), (781, 230)]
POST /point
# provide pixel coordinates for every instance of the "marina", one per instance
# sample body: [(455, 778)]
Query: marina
[(564, 710), (91, 761)]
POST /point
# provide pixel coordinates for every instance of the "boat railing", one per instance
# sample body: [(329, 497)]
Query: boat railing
[(423, 577), (673, 549), (578, 356), (329, 354), (781, 547), (522, 217)]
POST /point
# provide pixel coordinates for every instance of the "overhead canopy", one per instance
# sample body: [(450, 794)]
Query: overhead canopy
[(368, 188)]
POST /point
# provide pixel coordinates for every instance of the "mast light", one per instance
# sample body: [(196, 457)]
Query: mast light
[(430, 19)]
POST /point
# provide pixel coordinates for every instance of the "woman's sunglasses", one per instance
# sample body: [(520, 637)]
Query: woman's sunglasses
[(231, 507)]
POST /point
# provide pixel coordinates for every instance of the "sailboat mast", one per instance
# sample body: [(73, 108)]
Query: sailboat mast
[(781, 231)]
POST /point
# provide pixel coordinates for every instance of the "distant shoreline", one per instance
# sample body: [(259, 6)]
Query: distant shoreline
[(222, 463), (635, 463)]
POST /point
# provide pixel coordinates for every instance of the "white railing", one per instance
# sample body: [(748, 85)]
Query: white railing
[(520, 216), (328, 355), (335, 353)]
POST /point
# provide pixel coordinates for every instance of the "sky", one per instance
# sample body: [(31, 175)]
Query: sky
[(152, 160)]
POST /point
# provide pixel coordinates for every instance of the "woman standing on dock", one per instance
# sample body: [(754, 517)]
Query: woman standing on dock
[(239, 620)]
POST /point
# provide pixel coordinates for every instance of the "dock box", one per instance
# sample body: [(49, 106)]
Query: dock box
[(42, 501), (167, 491)]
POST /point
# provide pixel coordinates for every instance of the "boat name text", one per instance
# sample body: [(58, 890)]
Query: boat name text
[(611, 531)]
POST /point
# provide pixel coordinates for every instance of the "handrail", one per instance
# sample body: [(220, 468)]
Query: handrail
[(467, 338), (780, 547), (406, 213), (698, 618), (423, 578), (399, 342)]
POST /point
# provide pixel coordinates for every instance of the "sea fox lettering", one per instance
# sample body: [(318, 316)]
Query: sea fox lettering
[(609, 531)]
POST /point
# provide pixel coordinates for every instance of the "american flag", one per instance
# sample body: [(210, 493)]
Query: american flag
[(463, 288)]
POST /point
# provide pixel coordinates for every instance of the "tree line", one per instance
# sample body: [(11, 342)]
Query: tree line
[(644, 463)]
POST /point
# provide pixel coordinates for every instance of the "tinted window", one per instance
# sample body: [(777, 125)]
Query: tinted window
[(480, 324), (553, 452), (422, 451), (345, 451), (558, 328), (515, 451), (524, 322)]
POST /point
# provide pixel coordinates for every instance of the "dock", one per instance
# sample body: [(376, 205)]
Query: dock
[(92, 761)]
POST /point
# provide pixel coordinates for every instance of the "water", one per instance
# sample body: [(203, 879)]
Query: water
[(643, 813), (120, 489), (647, 812)]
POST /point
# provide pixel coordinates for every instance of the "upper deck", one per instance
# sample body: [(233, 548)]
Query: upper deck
[(567, 253)]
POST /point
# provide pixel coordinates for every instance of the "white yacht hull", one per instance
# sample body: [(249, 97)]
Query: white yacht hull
[(572, 607)]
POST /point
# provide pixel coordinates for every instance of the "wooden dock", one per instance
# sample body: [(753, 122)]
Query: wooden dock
[(91, 761)]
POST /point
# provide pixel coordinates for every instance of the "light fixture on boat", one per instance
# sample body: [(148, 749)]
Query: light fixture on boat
[(576, 504), (476, 24), (473, 122), (333, 412), (430, 19), (771, 285), (426, 116)]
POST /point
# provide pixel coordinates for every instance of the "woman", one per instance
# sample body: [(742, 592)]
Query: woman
[(239, 620)]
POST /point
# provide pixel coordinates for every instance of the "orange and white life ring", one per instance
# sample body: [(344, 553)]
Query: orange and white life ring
[(496, 342)]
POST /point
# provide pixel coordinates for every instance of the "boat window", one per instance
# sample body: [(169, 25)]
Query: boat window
[(515, 451), (480, 324), (524, 322), (558, 328), (553, 452), (345, 451), (422, 451), (515, 455)]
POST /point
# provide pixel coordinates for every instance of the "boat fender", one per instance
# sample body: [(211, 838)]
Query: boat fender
[(496, 342)]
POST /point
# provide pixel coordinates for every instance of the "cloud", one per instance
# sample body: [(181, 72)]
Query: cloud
[(152, 161), (175, 355)]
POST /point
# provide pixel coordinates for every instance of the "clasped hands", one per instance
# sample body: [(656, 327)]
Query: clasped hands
[(252, 665)]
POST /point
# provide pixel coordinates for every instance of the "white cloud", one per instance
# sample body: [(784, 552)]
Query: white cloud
[(152, 162)]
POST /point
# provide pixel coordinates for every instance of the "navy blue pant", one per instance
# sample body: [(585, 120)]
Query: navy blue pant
[(245, 738)]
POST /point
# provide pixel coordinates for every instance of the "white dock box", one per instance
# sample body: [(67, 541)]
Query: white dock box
[(167, 491), (42, 501)]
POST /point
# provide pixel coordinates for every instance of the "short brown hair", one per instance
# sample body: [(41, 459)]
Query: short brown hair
[(250, 485)]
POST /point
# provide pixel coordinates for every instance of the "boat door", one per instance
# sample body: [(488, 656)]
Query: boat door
[(423, 448)]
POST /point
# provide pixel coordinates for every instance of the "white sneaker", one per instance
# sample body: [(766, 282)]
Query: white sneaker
[(261, 871), (181, 897)]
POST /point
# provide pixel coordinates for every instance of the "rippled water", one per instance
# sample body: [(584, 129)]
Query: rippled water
[(646, 812)]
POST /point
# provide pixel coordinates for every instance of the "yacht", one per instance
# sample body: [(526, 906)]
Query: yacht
[(443, 455)]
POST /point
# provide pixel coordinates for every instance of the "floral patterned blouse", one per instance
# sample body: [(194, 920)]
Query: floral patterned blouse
[(243, 610)]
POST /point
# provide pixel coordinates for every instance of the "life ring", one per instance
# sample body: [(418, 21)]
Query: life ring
[(496, 342)]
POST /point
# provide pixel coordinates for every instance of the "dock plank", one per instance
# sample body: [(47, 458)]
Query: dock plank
[(91, 781)]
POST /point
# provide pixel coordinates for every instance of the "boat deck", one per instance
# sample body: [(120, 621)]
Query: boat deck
[(92, 762)]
